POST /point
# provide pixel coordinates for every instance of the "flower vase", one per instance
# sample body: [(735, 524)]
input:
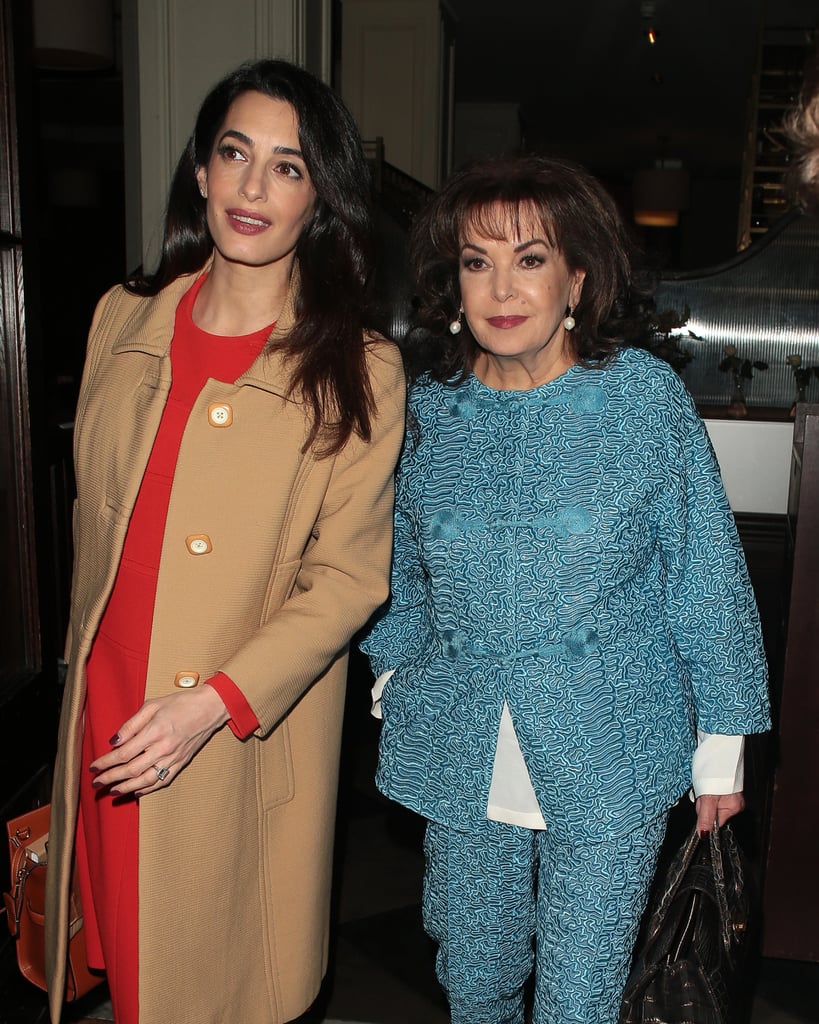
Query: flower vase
[(737, 407)]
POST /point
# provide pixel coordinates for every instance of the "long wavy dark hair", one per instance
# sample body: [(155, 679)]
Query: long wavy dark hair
[(578, 217), (327, 346)]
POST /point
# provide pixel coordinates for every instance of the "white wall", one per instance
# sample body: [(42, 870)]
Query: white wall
[(391, 79), (755, 462)]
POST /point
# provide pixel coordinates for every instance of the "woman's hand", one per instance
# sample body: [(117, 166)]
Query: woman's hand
[(717, 809), (164, 733)]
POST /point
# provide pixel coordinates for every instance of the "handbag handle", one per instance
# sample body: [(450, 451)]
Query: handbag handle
[(722, 844), (681, 864), (724, 847), (21, 868)]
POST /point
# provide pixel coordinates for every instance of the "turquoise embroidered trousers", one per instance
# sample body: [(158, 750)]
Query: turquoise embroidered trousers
[(501, 899)]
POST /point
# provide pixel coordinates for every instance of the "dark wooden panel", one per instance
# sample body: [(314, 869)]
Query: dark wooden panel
[(791, 894)]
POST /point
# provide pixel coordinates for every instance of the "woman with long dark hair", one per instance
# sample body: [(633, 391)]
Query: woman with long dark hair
[(235, 440)]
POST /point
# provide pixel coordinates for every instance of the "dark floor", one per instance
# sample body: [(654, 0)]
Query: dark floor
[(382, 968)]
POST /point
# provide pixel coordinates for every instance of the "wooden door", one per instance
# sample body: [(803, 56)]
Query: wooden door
[(791, 896), (28, 684)]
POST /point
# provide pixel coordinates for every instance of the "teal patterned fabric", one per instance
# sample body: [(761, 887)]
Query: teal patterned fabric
[(569, 550), (489, 891)]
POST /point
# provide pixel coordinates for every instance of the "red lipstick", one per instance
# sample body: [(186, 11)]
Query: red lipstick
[(245, 222), (506, 322)]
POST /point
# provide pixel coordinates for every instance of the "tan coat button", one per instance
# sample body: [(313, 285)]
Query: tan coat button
[(199, 544), (220, 414), (186, 680)]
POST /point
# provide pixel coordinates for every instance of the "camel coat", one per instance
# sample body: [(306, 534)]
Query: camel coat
[(235, 855)]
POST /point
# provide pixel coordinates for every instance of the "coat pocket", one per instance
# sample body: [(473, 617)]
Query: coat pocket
[(276, 767), (280, 588)]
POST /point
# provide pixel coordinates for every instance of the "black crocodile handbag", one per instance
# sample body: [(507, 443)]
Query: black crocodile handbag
[(687, 969)]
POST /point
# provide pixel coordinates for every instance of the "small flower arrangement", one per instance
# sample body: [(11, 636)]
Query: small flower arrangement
[(742, 370), (801, 374), (802, 377)]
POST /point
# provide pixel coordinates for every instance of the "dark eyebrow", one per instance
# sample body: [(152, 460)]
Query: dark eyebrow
[(530, 243), (518, 248), (283, 150)]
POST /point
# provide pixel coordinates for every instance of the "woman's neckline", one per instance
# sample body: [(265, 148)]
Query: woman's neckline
[(562, 378), (188, 303)]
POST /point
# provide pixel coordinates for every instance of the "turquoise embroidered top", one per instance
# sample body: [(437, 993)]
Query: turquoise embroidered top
[(569, 550)]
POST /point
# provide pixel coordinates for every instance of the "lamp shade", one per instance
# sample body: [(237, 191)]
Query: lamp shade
[(73, 36), (660, 193)]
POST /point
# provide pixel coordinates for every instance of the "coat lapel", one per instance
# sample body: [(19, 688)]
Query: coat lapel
[(149, 328)]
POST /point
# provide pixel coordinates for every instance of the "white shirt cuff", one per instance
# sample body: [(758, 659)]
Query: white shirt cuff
[(718, 766)]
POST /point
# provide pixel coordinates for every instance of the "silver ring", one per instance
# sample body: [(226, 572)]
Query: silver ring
[(162, 773)]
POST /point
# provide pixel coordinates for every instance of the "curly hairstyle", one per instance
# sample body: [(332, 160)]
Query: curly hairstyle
[(801, 129), (327, 345), (492, 197)]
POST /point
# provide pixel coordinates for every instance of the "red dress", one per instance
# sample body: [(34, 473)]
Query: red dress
[(108, 827)]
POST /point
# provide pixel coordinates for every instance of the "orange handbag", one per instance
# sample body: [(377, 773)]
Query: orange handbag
[(25, 906)]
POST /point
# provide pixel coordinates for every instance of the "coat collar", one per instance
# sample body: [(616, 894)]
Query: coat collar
[(149, 328)]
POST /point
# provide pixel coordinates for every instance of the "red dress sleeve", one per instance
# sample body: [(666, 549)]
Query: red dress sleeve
[(243, 721)]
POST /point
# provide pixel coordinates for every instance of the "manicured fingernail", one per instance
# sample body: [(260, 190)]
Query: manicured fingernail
[(93, 769), (97, 784), (114, 739), (703, 833), (115, 792)]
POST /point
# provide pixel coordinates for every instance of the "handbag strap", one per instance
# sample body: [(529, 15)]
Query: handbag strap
[(725, 849), (22, 831), (718, 869), (721, 845), (21, 867), (676, 873)]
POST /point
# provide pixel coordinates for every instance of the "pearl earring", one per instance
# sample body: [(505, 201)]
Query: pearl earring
[(455, 326), (570, 323)]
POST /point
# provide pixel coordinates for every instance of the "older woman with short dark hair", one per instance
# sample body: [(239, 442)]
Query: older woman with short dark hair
[(572, 640)]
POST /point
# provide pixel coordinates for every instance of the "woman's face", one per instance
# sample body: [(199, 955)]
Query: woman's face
[(514, 294), (259, 194)]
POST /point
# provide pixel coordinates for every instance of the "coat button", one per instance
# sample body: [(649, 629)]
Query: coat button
[(220, 414), (186, 680), (199, 544)]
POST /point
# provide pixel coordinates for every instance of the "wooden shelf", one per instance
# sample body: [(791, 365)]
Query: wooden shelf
[(759, 413)]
